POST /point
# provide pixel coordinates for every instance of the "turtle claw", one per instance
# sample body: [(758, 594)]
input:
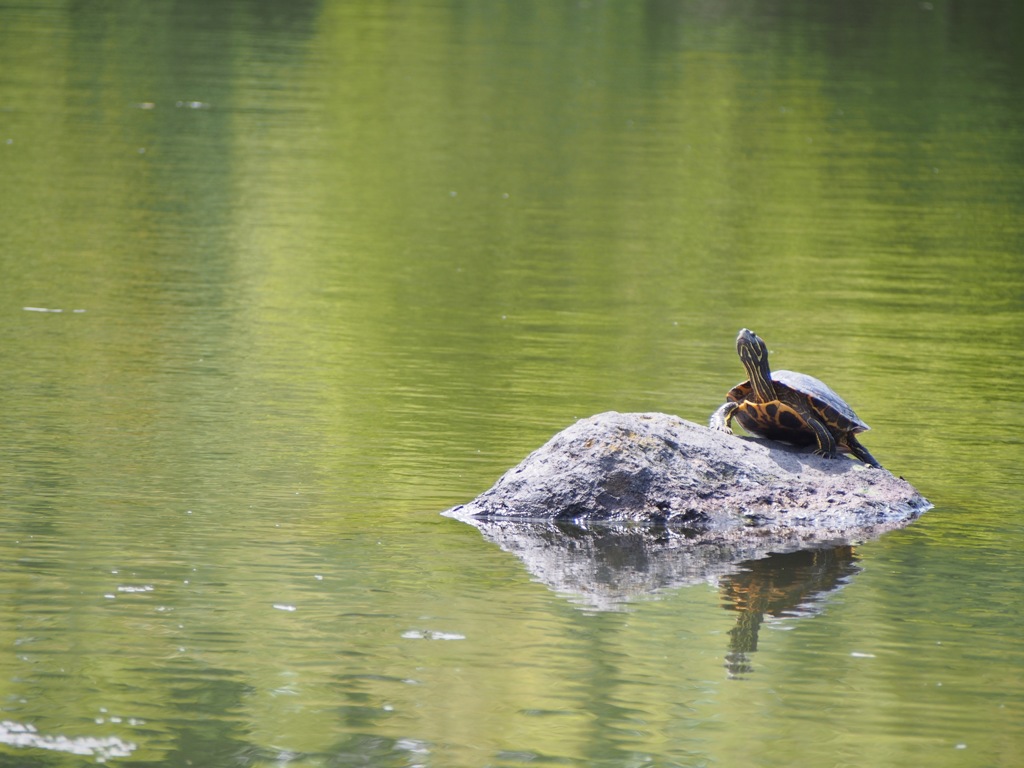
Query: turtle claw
[(720, 419)]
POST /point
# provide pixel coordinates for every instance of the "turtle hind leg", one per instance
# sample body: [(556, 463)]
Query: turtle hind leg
[(861, 452), (826, 441), (721, 418)]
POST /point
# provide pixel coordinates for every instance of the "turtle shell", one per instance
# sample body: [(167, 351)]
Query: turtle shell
[(777, 420)]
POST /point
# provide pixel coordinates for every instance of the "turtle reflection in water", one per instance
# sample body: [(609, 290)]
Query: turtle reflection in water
[(791, 407), (793, 584)]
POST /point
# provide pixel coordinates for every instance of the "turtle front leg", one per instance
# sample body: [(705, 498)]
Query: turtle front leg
[(721, 418)]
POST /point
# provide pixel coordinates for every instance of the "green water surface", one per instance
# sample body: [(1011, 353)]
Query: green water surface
[(280, 282)]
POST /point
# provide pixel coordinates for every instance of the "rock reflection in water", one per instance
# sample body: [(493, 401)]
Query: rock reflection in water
[(606, 566)]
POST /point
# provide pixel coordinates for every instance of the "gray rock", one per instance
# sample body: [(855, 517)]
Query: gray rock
[(652, 468)]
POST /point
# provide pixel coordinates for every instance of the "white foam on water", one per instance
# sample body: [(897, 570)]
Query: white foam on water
[(416, 634), (25, 735)]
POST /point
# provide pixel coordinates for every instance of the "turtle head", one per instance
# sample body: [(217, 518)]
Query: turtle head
[(753, 354)]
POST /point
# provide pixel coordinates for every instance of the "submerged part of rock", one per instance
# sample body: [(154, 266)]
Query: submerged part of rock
[(653, 468)]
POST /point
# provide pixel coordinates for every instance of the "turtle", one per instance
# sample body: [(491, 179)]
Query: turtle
[(791, 407)]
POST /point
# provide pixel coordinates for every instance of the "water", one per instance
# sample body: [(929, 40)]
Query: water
[(327, 269)]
